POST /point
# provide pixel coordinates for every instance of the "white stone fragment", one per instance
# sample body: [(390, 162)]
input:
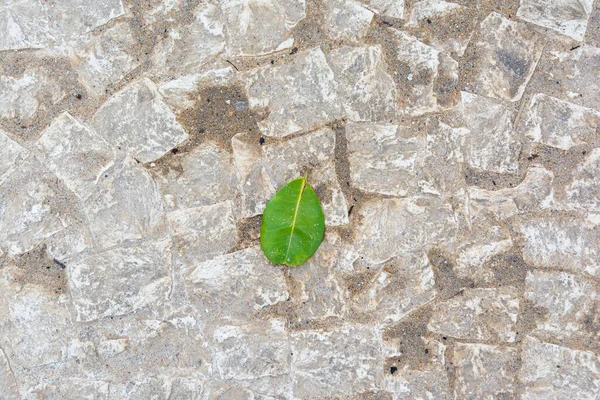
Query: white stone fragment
[(111, 347), (560, 124), (21, 97), (575, 71), (35, 323), (491, 145), (11, 155), (120, 281), (301, 95), (391, 227), (257, 27), (478, 314), (366, 89), (34, 205), (66, 388), (204, 176), (236, 284), (507, 53), (203, 232), (163, 387), (561, 242), (569, 303), (382, 157), (8, 382), (179, 92), (314, 153), (189, 47), (261, 349), (138, 121), (341, 362), (106, 58), (254, 182), (389, 8), (403, 285), (554, 372), (126, 205), (76, 154), (530, 195), (419, 67), (583, 193), (23, 25), (484, 371), (569, 17), (347, 20)]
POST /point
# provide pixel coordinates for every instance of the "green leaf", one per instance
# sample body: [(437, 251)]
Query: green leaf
[(293, 224)]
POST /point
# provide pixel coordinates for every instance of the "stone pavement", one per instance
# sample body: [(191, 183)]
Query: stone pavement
[(455, 147)]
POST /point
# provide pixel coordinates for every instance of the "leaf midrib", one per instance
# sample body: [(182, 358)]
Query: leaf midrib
[(289, 245)]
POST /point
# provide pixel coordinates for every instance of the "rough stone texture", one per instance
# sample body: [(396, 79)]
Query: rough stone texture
[(484, 371), (478, 314), (455, 148), (137, 120), (301, 95), (554, 372), (567, 17), (507, 54)]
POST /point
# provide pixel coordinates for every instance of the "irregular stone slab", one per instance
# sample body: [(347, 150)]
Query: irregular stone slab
[(34, 205), (531, 194), (427, 381), (567, 17), (120, 281), (106, 58), (569, 305), (137, 120), (254, 182), (179, 92), (391, 227), (203, 232), (74, 239), (7, 378), (203, 176), (445, 26), (478, 314), (335, 363), (189, 47), (558, 123), (347, 20), (11, 155), (251, 351), (577, 70), (312, 153), (491, 143), (35, 323), (126, 205), (382, 157), (23, 25), (319, 291), (568, 243), (441, 169), (507, 53), (419, 71), (21, 97), (75, 154), (389, 8), (554, 372), (256, 27), (402, 286), (301, 95), (157, 388), (236, 284), (485, 372), (582, 193), (368, 92)]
